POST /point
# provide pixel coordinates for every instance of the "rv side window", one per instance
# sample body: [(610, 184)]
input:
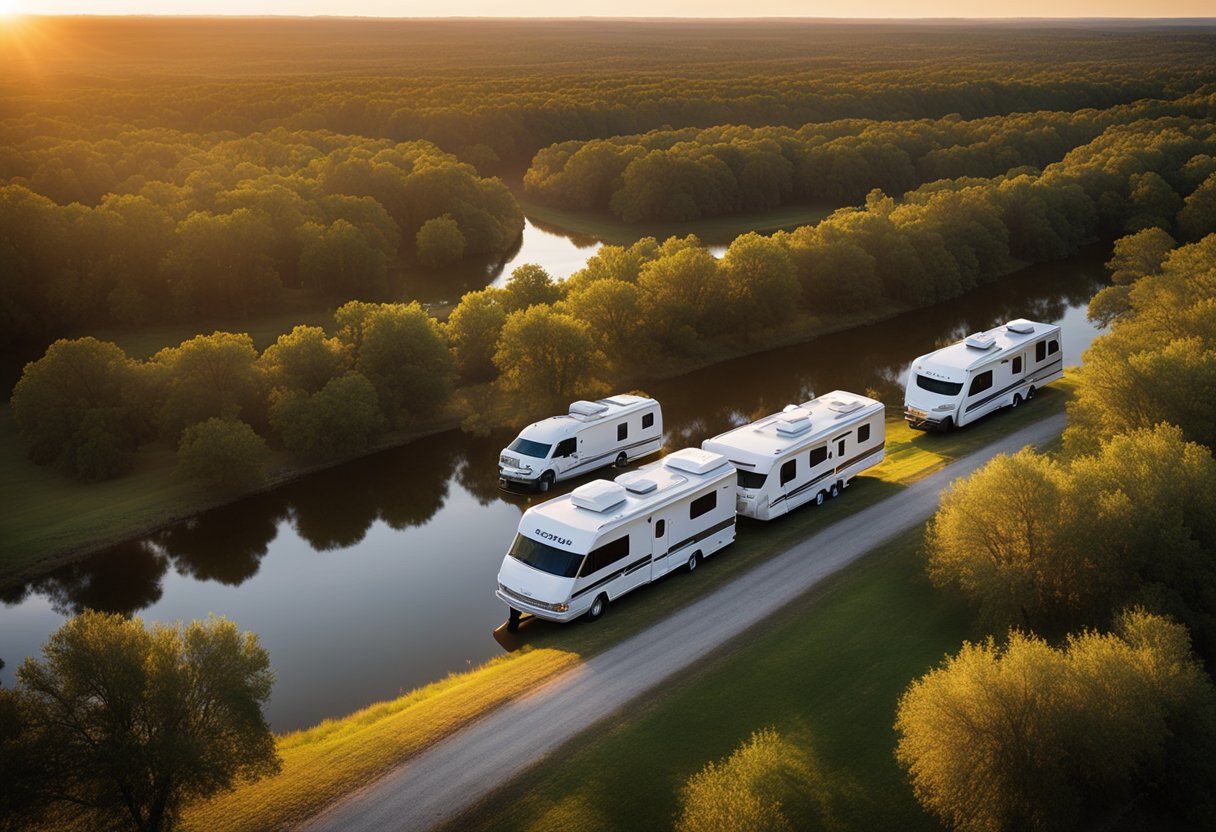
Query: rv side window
[(566, 447), (980, 383), (1017, 365), (1053, 347), (1040, 351), (863, 434), (606, 555), (660, 528), (840, 448), (941, 388), (647, 420), (789, 470), (702, 505), (819, 455), (751, 479), (622, 431)]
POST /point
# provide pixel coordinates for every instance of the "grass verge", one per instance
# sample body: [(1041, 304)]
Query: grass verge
[(354, 750)]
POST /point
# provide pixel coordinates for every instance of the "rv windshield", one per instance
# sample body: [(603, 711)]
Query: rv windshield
[(935, 385), (750, 479), (544, 557), (538, 450)]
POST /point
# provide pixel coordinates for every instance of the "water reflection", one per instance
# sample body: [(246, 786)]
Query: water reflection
[(377, 576)]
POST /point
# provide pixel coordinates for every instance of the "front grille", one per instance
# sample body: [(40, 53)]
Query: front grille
[(524, 599)]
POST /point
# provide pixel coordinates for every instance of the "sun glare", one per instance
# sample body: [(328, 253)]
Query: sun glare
[(9, 9)]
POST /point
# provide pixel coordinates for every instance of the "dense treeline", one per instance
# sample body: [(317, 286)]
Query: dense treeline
[(493, 90), (679, 175), (1123, 521), (144, 225)]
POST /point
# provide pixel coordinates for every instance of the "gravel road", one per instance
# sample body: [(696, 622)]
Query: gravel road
[(437, 785)]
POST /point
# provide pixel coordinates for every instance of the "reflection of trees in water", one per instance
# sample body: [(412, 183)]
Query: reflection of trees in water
[(225, 545), (477, 471), (334, 513), (411, 482), (124, 579)]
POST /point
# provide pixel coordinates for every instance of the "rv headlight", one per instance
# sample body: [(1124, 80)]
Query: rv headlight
[(560, 607), (944, 407)]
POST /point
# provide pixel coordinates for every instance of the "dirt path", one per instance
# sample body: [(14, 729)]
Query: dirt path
[(435, 786)]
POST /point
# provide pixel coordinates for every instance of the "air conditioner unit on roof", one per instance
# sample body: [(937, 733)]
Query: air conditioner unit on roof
[(694, 461), (843, 405), (981, 340), (587, 409), (794, 423), (1021, 326), (636, 483), (600, 495)]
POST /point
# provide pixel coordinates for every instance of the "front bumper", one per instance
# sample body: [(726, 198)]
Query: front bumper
[(524, 605), (926, 420), (523, 476)]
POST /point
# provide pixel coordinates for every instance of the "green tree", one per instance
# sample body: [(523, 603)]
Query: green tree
[(684, 296), (403, 353), (1135, 256), (1027, 736), (473, 328), (747, 791), (761, 282), (209, 375), (529, 285), (223, 455), (613, 310), (440, 242), (303, 359), (222, 264), (341, 418), (121, 726), (1197, 218), (544, 357), (74, 408), (343, 261)]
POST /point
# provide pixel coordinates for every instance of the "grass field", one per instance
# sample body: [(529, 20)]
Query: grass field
[(826, 674), (324, 763), (711, 230)]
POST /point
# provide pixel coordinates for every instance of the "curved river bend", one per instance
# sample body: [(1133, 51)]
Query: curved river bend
[(375, 577)]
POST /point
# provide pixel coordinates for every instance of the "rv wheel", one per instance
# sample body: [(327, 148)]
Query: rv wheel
[(513, 620), (1017, 401), (820, 497), (693, 560), (835, 489), (545, 482), (597, 607), (947, 424), (1030, 394), (621, 460)]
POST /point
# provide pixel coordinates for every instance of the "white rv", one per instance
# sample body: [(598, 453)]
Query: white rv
[(806, 453), (594, 434), (575, 554), (1002, 367)]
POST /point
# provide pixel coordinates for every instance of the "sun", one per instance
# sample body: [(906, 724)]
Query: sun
[(10, 9)]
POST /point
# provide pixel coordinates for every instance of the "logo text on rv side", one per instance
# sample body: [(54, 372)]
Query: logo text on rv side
[(561, 541)]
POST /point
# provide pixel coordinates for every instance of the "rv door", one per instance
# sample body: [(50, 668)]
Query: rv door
[(658, 554)]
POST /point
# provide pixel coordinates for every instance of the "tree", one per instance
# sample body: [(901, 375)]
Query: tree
[(1197, 218), (343, 261), (209, 375), (121, 726), (303, 359), (403, 354), (684, 296), (544, 357), (746, 791), (223, 263), (529, 285), (1027, 736), (440, 242), (760, 280), (473, 328), (1135, 256), (613, 310), (73, 408), (341, 418), (223, 455)]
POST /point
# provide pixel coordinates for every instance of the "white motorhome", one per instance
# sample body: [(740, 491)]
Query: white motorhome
[(806, 453), (1001, 367), (575, 554), (592, 435)]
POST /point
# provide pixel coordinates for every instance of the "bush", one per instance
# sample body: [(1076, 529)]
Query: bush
[(223, 455)]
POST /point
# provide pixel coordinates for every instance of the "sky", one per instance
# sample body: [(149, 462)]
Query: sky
[(628, 8)]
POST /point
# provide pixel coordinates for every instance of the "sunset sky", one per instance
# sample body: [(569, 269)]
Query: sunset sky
[(626, 8)]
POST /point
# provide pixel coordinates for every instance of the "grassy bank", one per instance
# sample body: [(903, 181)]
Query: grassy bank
[(323, 763), (825, 673)]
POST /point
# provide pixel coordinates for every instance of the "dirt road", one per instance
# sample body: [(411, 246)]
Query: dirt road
[(451, 776)]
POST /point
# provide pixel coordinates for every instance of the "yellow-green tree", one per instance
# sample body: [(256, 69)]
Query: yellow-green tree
[(544, 357), (473, 328), (222, 455)]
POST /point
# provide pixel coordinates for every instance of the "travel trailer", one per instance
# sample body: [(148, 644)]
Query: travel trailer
[(1002, 367), (592, 435), (806, 453), (575, 554)]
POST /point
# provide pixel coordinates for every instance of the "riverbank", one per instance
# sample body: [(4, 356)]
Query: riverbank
[(325, 763)]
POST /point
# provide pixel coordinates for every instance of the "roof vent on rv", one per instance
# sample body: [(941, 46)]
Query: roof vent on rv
[(843, 405), (600, 495), (588, 410), (636, 483), (694, 461), (981, 340), (789, 408), (794, 422), (1021, 326)]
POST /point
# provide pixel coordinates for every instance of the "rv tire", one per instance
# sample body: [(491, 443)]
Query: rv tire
[(513, 620), (1030, 394), (1017, 401), (621, 460), (820, 498), (835, 489), (545, 482), (947, 424), (693, 560), (597, 607)]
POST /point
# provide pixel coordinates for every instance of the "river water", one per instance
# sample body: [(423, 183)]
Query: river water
[(375, 577)]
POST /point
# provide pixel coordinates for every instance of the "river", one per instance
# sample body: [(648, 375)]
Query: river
[(376, 577)]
